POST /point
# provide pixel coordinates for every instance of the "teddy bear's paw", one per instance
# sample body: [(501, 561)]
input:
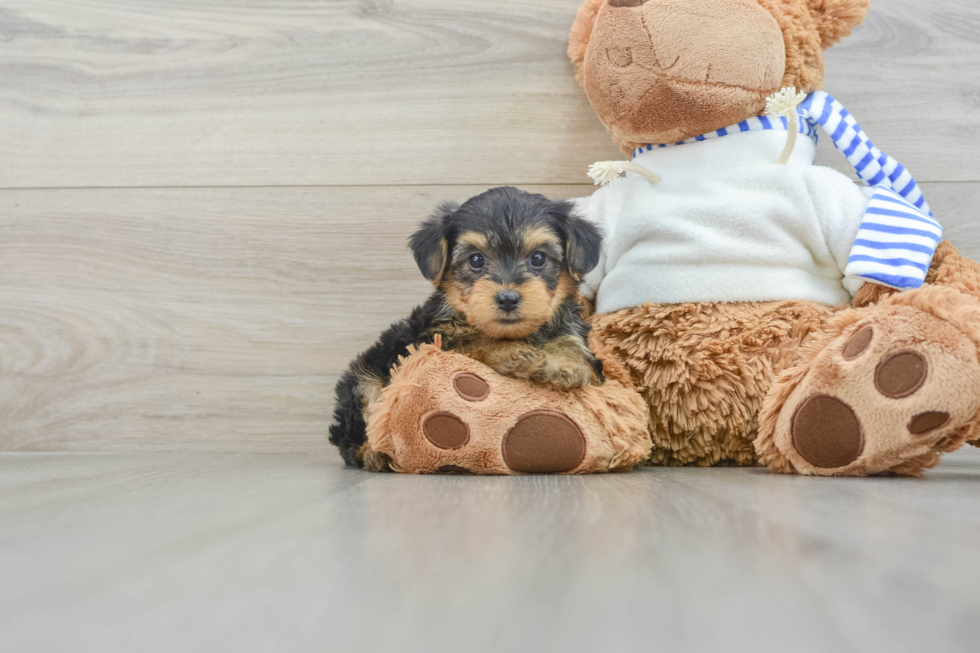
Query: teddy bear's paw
[(888, 395)]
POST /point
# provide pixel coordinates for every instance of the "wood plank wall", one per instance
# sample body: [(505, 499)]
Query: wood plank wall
[(204, 203)]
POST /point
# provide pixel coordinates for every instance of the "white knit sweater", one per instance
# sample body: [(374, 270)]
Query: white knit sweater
[(726, 224)]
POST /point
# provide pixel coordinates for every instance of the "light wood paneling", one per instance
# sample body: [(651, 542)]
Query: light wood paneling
[(218, 318), (215, 319), (337, 92), (203, 552)]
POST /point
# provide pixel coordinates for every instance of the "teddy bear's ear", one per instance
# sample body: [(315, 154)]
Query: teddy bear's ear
[(836, 18), (430, 244), (578, 40)]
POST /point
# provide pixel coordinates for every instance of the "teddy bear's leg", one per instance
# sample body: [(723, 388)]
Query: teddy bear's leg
[(888, 387), (705, 369), (446, 413)]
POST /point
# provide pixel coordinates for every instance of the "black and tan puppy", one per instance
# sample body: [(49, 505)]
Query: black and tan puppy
[(506, 266)]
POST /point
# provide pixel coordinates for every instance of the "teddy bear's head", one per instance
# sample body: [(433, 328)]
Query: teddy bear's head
[(662, 71)]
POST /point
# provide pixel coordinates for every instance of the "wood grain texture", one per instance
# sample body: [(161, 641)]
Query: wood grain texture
[(206, 552), (216, 319), (112, 93), (213, 319)]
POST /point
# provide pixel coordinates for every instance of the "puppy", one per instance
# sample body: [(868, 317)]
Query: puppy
[(506, 267)]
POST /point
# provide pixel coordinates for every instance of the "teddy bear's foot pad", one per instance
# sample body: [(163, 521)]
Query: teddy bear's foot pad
[(891, 389), (541, 442), (544, 442), (446, 431), (827, 432), (926, 422)]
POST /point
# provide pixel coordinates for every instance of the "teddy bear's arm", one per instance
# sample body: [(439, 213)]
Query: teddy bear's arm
[(896, 244), (840, 205), (897, 235), (874, 234)]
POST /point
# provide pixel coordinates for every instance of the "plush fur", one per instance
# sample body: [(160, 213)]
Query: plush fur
[(506, 267), (739, 383), (705, 370)]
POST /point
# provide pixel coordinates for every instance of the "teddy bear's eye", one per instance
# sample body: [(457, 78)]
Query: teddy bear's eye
[(620, 57)]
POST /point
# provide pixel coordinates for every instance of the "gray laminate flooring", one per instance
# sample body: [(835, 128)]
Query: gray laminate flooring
[(289, 552)]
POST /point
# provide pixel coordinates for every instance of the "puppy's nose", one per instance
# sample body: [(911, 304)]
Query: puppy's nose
[(508, 300)]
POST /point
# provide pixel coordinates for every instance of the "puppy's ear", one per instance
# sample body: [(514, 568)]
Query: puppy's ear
[(583, 241), (430, 244)]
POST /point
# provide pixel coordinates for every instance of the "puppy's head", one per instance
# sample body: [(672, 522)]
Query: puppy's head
[(506, 259)]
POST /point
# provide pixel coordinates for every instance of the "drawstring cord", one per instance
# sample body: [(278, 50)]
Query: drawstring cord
[(604, 172), (783, 105)]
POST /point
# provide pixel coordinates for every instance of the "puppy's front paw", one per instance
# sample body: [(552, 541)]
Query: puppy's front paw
[(517, 362), (562, 373)]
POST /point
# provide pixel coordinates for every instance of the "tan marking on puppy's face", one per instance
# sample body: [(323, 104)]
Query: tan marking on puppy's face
[(567, 287), (534, 311), (528, 262), (475, 240), (538, 305), (539, 237)]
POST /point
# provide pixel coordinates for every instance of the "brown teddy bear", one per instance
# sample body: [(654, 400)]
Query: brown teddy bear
[(766, 310), (751, 353)]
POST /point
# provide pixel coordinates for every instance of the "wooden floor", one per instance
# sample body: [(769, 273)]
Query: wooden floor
[(292, 552), (203, 211)]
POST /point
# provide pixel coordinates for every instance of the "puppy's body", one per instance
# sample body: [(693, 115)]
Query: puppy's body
[(506, 266)]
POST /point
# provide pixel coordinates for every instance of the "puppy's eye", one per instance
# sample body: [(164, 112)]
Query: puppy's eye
[(477, 261), (538, 260)]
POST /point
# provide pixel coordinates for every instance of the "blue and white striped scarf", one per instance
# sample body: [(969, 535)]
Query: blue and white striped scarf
[(754, 124), (898, 236)]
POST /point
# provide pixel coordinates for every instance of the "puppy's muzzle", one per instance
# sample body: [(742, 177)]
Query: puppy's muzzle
[(508, 300)]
